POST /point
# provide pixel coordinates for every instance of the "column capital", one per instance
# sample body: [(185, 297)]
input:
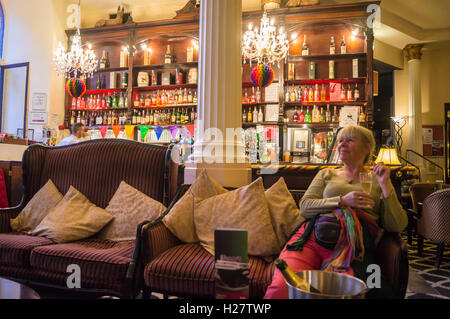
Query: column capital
[(413, 51)]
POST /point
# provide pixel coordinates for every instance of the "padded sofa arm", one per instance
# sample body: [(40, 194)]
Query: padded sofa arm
[(156, 239), (392, 256), (5, 215)]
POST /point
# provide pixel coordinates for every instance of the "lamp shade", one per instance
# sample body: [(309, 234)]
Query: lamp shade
[(388, 156)]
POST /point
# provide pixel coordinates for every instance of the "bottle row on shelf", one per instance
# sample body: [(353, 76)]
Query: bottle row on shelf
[(336, 92), (342, 50), (320, 115), (134, 117), (162, 98), (100, 101), (254, 97)]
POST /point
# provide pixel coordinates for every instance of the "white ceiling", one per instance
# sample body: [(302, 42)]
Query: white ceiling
[(402, 21)]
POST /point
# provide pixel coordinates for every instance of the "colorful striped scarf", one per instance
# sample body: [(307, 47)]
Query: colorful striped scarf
[(350, 245)]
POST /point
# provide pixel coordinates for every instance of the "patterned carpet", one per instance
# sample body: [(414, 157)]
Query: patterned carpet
[(426, 281)]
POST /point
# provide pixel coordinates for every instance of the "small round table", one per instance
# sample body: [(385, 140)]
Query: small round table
[(13, 290)]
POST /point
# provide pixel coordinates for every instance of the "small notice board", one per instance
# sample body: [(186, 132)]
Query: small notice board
[(433, 140)]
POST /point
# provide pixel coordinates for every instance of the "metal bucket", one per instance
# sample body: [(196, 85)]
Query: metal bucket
[(330, 284)]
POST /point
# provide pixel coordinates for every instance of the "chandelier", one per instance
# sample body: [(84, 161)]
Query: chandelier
[(266, 46), (77, 61)]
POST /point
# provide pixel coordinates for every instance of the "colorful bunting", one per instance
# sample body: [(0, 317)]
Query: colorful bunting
[(191, 129), (158, 131), (103, 130), (129, 129), (116, 129), (144, 130), (173, 130)]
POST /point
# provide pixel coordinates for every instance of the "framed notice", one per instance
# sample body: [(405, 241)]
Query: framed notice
[(272, 111), (349, 116), (38, 118), (271, 93), (433, 140), (39, 101)]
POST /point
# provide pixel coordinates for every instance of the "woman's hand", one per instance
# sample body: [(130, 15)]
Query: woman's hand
[(383, 175), (357, 199)]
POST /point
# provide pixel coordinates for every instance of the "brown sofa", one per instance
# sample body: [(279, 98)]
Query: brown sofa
[(96, 169), (180, 269)]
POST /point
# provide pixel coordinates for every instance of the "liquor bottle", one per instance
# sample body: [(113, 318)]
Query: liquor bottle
[(335, 117), (103, 61), (138, 118), (295, 117), (305, 48), (343, 46), (193, 116), (104, 101), (190, 97), (331, 69), (316, 94), (349, 93), (328, 114), (305, 94), (258, 95), (74, 103), (244, 116), (185, 96), (293, 95), (301, 116), (133, 118), (260, 116), (153, 99), (323, 94), (307, 115), (78, 117), (143, 118), (158, 99), (362, 116), (322, 116), (253, 97), (147, 101), (249, 115), (107, 65), (152, 118), (121, 101), (115, 101), (315, 115), (311, 94), (168, 56), (173, 118), (332, 46), (194, 99), (287, 96), (343, 93), (255, 115), (125, 80), (299, 96), (109, 122), (72, 118), (182, 116), (356, 93), (98, 102), (99, 83)]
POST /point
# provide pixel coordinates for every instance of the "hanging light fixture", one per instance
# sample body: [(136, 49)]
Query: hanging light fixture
[(265, 45), (76, 61)]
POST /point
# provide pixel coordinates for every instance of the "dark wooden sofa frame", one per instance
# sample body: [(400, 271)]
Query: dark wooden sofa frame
[(117, 150)]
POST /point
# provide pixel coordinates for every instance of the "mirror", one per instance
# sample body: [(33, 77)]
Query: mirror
[(14, 98)]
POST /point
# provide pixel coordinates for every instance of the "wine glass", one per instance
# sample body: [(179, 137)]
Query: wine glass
[(365, 178)]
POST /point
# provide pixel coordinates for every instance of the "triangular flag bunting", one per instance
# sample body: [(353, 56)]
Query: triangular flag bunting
[(129, 129), (191, 129), (116, 129), (144, 131), (103, 130), (173, 130), (158, 131)]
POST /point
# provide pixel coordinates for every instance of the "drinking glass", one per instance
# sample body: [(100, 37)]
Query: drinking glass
[(365, 179)]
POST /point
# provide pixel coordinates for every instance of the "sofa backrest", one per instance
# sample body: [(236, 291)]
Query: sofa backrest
[(97, 167)]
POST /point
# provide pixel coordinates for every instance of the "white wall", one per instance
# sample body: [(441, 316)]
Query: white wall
[(33, 29)]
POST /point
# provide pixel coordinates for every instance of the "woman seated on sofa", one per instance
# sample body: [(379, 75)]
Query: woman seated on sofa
[(341, 216)]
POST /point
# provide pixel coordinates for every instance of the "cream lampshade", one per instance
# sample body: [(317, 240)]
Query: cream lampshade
[(388, 156)]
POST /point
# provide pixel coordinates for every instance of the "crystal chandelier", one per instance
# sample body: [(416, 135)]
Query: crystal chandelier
[(75, 62), (266, 46)]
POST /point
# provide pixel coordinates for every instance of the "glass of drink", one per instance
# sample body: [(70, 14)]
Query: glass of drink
[(365, 178)]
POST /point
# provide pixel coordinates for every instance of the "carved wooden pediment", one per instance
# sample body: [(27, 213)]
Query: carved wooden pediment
[(190, 11)]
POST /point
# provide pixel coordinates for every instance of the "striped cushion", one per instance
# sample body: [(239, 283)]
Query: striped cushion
[(96, 168), (100, 260), (15, 248), (188, 269)]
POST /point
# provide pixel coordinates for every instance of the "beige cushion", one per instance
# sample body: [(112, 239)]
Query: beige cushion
[(180, 219), (37, 208), (74, 218), (284, 214), (243, 208), (130, 208)]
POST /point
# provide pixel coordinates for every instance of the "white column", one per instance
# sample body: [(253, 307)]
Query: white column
[(413, 53), (219, 96)]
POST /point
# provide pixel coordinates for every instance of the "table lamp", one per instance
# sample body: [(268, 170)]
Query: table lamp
[(388, 156)]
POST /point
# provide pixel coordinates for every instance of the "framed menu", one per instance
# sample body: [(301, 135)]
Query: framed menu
[(348, 116)]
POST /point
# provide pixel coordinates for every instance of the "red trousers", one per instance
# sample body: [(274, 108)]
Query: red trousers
[(310, 258)]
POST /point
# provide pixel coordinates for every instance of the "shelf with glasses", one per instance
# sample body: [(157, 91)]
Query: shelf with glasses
[(258, 104), (165, 87), (166, 66), (111, 70), (299, 58), (166, 107), (331, 103), (325, 81)]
